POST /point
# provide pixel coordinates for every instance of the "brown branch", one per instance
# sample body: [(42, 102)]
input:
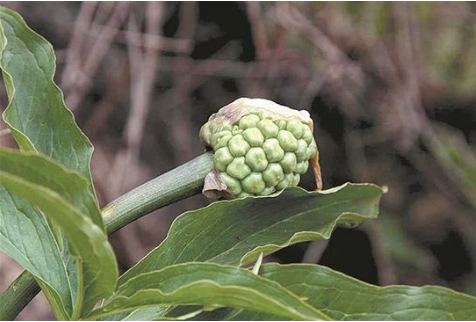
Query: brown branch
[(143, 66), (74, 52), (142, 39), (258, 29), (95, 55), (314, 251), (182, 123)]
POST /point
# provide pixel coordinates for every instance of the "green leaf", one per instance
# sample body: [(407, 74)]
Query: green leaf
[(41, 123), (146, 314), (72, 187), (235, 232), (344, 298), (36, 114), (26, 237), (87, 241), (209, 285)]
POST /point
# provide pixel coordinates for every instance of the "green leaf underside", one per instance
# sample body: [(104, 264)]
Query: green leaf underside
[(26, 237), (70, 185), (85, 238), (344, 298), (41, 123), (235, 232), (208, 284), (29, 60), (36, 114)]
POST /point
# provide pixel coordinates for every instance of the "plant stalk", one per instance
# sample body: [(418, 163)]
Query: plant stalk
[(177, 184), (17, 296)]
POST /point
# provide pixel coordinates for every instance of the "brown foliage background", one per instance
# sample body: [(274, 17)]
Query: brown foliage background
[(391, 87)]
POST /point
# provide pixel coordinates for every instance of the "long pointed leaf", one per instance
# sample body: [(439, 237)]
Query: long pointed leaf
[(40, 122), (26, 237), (87, 241), (236, 232), (36, 113), (344, 298), (209, 285)]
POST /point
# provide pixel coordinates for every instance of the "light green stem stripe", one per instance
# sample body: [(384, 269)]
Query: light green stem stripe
[(177, 184)]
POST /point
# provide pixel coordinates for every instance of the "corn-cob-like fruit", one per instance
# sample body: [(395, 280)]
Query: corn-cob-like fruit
[(260, 148)]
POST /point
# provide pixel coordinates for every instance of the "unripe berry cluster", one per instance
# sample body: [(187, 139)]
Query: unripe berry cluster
[(257, 156)]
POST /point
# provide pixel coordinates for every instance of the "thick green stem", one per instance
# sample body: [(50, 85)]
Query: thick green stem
[(17, 296), (177, 184)]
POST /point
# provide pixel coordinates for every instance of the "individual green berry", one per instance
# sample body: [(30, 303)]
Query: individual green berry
[(281, 124), (290, 177), (256, 159), (238, 146), (289, 162), (238, 168), (307, 135), (264, 115), (267, 191), (253, 183), (273, 174), (296, 128), (301, 152), (301, 167), (248, 121), (287, 141), (273, 150), (221, 139), (295, 180), (233, 185), (222, 159), (244, 195), (283, 184), (268, 128), (290, 180), (312, 149), (253, 136)]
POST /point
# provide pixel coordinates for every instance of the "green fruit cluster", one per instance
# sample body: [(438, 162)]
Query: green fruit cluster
[(257, 156)]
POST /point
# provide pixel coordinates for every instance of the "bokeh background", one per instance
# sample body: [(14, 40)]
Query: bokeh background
[(391, 87)]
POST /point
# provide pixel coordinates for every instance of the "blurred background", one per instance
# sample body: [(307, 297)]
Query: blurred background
[(391, 87)]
